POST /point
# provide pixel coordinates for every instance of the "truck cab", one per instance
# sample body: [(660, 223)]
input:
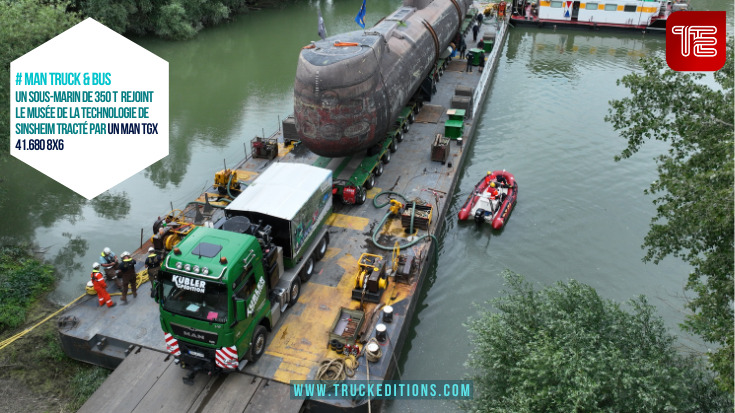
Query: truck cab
[(213, 300), (222, 289)]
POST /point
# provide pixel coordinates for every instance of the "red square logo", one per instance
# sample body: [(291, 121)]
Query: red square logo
[(696, 41)]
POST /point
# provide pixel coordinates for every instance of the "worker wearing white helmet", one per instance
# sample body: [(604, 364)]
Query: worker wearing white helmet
[(109, 262), (128, 275), (152, 264), (99, 284)]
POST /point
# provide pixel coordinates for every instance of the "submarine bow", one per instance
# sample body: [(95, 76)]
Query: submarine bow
[(350, 88)]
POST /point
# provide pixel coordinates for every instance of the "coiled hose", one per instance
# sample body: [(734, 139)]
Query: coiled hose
[(336, 369)]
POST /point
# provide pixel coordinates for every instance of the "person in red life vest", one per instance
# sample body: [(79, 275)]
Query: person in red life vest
[(99, 284), (489, 178), (493, 191), (127, 272)]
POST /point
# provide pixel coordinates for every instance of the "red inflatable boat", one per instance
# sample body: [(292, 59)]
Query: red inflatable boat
[(492, 200)]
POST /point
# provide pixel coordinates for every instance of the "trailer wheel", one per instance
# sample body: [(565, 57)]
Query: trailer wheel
[(308, 269), (379, 169), (361, 196), (411, 118), (257, 347), (399, 136), (386, 156), (321, 248), (370, 182), (406, 126), (295, 291)]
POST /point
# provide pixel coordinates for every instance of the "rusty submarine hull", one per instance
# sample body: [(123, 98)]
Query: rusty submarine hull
[(350, 88)]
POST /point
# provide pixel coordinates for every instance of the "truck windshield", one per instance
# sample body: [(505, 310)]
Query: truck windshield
[(195, 298)]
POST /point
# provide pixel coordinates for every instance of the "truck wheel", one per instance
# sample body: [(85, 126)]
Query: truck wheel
[(308, 269), (321, 248), (379, 169), (257, 347), (361, 196), (295, 291), (370, 183)]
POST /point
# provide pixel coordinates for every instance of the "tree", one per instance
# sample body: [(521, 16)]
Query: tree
[(694, 221), (26, 24), (565, 349)]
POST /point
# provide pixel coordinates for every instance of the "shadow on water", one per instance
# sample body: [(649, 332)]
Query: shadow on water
[(68, 260), (31, 200)]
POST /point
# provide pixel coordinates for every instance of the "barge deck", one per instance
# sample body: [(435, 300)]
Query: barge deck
[(129, 338)]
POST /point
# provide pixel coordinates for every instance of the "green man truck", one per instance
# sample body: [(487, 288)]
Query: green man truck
[(223, 289)]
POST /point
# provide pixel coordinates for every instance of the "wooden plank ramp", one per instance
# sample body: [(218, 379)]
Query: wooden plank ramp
[(147, 381)]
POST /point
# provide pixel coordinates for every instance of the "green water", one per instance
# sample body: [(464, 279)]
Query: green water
[(579, 214)]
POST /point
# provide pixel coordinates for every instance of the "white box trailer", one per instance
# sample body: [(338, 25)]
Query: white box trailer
[(294, 199)]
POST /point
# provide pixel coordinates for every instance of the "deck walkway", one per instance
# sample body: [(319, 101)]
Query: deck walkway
[(148, 381)]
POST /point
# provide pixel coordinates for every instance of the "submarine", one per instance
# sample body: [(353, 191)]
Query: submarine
[(350, 88)]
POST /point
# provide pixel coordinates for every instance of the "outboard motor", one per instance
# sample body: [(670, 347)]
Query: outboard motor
[(480, 216)]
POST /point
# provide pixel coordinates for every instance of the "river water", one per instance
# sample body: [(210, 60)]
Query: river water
[(579, 214)]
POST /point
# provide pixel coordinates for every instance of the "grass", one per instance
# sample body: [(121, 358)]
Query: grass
[(34, 368), (23, 280)]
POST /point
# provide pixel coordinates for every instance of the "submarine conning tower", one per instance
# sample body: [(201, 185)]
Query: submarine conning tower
[(350, 88)]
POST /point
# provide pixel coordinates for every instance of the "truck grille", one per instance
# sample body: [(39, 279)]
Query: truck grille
[(200, 353), (194, 334)]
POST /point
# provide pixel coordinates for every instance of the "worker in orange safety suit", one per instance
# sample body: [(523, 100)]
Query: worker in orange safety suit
[(99, 284)]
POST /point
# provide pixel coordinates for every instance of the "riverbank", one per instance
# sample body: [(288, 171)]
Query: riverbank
[(34, 368)]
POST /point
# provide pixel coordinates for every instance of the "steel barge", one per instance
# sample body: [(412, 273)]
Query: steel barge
[(424, 168)]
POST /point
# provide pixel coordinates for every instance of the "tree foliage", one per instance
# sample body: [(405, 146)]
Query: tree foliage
[(23, 279), (26, 24), (694, 221), (172, 19), (565, 349)]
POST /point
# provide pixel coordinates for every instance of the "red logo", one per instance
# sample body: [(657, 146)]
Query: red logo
[(696, 41)]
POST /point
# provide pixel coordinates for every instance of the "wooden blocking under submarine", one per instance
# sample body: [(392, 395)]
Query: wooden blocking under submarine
[(440, 149), (289, 130)]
